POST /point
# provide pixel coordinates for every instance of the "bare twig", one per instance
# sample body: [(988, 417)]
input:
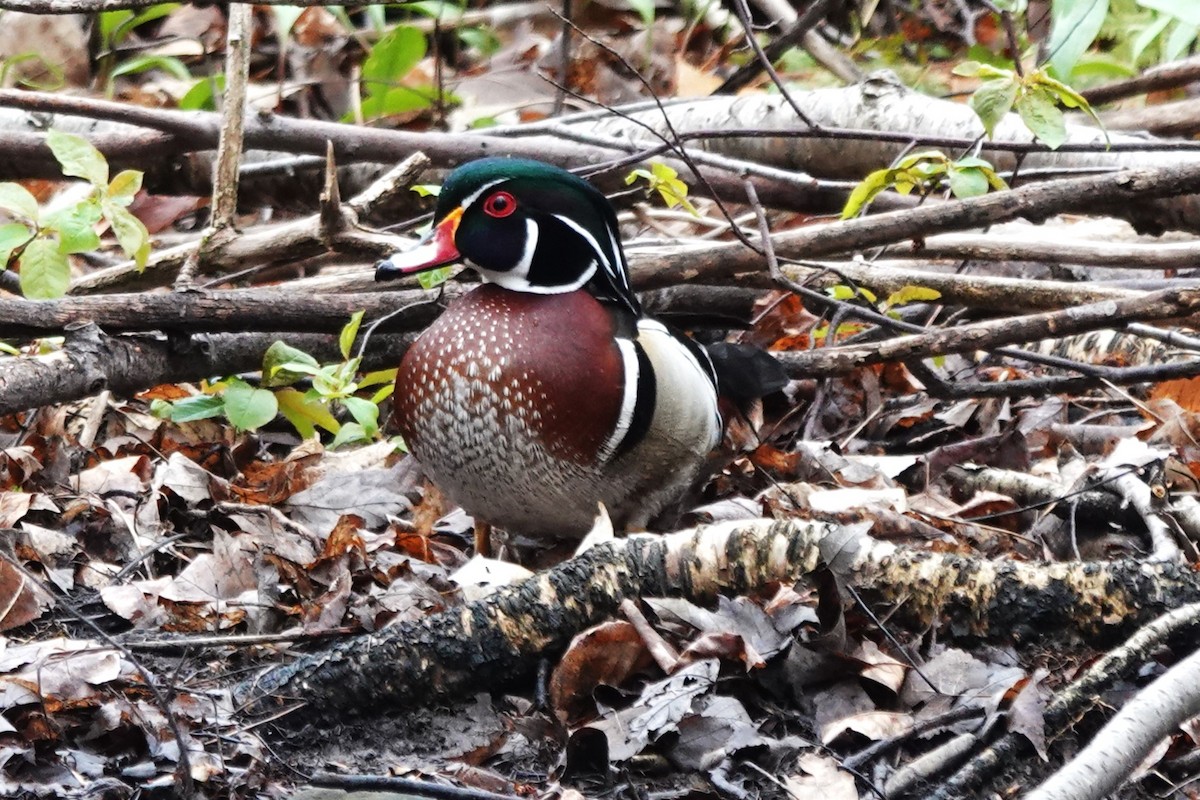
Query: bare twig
[(222, 226)]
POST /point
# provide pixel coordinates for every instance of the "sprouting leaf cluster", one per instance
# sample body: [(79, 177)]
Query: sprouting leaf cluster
[(330, 387), (1035, 96), (902, 296), (664, 180), (926, 171), (38, 241)]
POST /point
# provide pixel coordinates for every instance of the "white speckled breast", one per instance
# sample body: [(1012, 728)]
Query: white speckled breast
[(508, 399)]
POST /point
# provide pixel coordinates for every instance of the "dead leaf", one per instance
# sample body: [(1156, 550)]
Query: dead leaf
[(20, 602), (824, 779), (881, 668), (657, 711), (875, 725), (1027, 712), (222, 575), (481, 576), (605, 654), (13, 506), (719, 729), (128, 475)]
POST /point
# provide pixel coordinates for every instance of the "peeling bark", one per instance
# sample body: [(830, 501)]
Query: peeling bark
[(495, 642)]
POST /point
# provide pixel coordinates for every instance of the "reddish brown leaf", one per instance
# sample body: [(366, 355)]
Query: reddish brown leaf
[(606, 654)]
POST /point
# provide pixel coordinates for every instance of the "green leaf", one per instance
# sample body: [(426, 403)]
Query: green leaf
[(398, 100), (1179, 40), (634, 174), (392, 58), (1074, 26), (130, 232), (365, 413), (329, 382), (481, 39), (432, 278), (349, 332), (866, 191), (201, 406), (304, 414), (110, 23), (968, 182), (12, 236), (284, 365), (125, 186), (45, 271), (168, 64), (16, 199), (1042, 115), (116, 25), (645, 10), (922, 157), (350, 433), (76, 226), (201, 97), (427, 189), (975, 69), (378, 378), (1184, 10), (911, 294), (247, 407), (1148, 35), (79, 159), (992, 100)]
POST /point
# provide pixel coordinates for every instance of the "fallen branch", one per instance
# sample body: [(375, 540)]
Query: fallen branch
[(1075, 700), (1168, 304), (91, 362), (494, 642), (1127, 740)]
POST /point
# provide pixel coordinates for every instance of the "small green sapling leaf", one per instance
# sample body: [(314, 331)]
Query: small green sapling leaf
[(349, 332), (305, 414), (365, 413), (16, 199), (284, 365), (45, 271), (12, 236), (79, 159), (248, 407), (197, 407)]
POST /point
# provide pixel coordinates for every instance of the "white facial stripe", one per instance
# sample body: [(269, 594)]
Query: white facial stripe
[(621, 275), (628, 401), (520, 283), (471, 198), (521, 270), (517, 278), (609, 267)]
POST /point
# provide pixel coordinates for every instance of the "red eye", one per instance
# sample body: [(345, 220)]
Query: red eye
[(500, 204)]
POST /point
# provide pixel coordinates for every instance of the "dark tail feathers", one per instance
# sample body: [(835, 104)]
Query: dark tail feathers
[(745, 372)]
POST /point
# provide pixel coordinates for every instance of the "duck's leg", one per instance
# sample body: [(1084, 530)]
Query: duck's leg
[(483, 539)]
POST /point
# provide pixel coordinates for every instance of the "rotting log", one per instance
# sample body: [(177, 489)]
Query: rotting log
[(494, 643)]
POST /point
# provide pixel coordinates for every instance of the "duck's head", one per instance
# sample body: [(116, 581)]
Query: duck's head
[(526, 226)]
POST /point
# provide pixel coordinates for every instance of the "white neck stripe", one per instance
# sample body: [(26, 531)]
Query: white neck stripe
[(628, 401)]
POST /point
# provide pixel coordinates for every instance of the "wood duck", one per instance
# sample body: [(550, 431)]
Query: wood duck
[(546, 390)]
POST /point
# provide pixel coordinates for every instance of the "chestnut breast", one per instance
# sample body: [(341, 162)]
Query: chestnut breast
[(532, 373)]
